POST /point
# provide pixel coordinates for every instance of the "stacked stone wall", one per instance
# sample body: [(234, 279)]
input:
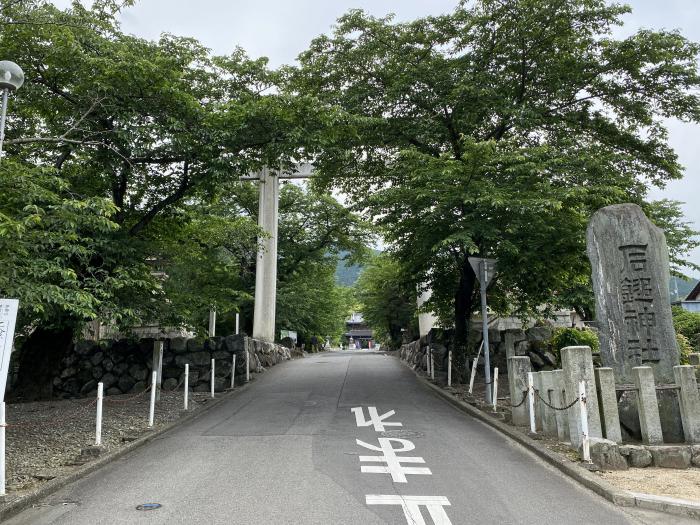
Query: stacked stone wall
[(124, 366)]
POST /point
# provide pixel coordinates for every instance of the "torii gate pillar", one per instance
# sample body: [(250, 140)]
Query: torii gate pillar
[(266, 267)]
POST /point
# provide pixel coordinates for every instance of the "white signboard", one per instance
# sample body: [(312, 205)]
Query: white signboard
[(8, 317)]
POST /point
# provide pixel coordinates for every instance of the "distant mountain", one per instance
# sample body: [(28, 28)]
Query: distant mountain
[(683, 287), (346, 275)]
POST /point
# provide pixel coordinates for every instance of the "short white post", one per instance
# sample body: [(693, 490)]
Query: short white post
[(152, 410), (212, 323), (233, 371), (432, 365), (585, 443), (473, 376), (238, 323), (157, 365), (449, 368), (247, 362), (187, 384), (531, 399), (2, 448), (495, 389), (212, 378), (98, 421)]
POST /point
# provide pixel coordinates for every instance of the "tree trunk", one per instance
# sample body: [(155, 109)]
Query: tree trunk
[(463, 307), (40, 358)]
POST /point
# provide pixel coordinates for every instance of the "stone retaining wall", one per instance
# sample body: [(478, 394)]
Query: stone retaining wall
[(124, 366), (502, 343)]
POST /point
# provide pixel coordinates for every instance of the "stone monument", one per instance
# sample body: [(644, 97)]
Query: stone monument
[(629, 259), (630, 276)]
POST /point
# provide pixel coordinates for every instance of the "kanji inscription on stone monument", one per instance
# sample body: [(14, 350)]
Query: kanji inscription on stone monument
[(630, 274), (637, 301)]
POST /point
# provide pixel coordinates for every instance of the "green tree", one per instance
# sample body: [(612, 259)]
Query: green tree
[(157, 129), (387, 300), (496, 131)]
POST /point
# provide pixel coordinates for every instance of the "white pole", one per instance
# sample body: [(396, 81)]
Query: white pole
[(473, 376), (449, 368), (98, 422), (247, 362), (233, 371), (2, 448), (531, 398), (3, 114), (238, 323), (152, 410), (187, 384), (584, 421), (212, 378), (212, 323), (495, 389), (432, 365)]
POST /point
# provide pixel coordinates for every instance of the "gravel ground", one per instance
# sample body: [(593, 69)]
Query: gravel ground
[(45, 439), (684, 484)]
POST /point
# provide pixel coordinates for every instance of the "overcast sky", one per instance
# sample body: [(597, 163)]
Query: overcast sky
[(281, 29)]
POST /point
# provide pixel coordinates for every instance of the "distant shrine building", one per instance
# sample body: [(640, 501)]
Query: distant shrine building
[(358, 333)]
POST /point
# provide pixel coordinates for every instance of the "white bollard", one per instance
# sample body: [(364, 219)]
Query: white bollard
[(449, 368), (585, 443), (152, 410), (495, 389), (432, 365), (233, 371), (98, 419), (238, 323), (531, 398), (212, 378), (2, 448), (187, 384), (473, 376)]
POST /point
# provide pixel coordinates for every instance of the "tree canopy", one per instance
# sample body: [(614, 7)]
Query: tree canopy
[(496, 131)]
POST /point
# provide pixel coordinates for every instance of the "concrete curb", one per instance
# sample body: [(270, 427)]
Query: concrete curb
[(617, 496), (48, 488)]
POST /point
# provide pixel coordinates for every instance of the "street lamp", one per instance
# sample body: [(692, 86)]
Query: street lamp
[(11, 79)]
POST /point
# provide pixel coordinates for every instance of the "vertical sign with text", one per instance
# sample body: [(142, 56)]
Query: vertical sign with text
[(8, 317)]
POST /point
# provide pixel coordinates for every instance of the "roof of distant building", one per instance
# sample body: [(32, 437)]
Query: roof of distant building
[(695, 294), (356, 318)]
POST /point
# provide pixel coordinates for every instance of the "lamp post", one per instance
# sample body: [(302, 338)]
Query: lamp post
[(11, 79)]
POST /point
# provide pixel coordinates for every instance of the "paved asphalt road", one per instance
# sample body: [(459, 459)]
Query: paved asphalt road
[(284, 451)]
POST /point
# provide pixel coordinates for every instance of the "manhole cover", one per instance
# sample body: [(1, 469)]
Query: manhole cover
[(402, 434), (148, 506)]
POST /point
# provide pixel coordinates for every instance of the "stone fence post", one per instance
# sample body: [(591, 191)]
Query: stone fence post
[(518, 368), (577, 365), (648, 404), (689, 401), (607, 396)]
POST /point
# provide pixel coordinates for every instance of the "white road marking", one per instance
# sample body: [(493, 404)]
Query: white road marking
[(393, 462), (411, 507), (374, 418)]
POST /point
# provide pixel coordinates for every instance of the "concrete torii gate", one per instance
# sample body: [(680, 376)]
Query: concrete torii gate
[(265, 306)]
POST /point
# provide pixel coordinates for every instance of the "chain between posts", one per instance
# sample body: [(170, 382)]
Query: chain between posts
[(567, 407), (65, 417), (521, 401), (81, 408)]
